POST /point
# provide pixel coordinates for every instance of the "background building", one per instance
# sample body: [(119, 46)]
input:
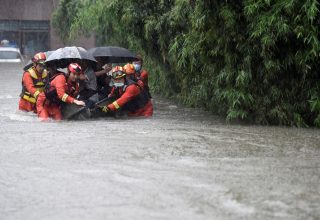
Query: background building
[(27, 24)]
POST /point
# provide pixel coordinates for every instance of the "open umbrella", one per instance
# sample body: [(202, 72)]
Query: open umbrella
[(30, 64), (112, 54), (62, 57)]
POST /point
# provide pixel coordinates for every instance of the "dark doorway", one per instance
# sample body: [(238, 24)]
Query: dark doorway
[(30, 36)]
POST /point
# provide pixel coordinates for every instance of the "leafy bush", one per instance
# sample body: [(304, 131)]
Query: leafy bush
[(250, 59)]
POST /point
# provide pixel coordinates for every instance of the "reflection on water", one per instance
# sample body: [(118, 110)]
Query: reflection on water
[(181, 164)]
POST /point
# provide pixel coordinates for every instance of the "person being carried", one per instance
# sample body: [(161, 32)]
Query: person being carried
[(33, 82), (62, 89), (88, 84), (103, 79), (129, 96)]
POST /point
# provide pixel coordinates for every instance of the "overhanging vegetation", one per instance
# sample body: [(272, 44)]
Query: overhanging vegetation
[(251, 59)]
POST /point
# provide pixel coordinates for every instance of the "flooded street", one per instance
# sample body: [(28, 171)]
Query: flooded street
[(180, 164)]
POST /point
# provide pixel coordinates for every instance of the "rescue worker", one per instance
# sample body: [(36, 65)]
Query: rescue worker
[(130, 71), (33, 82), (129, 96), (62, 89), (141, 73)]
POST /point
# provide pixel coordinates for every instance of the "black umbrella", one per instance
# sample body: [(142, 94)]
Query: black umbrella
[(30, 64), (62, 57), (113, 54)]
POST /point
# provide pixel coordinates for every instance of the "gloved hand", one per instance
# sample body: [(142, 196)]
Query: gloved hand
[(105, 109), (78, 102)]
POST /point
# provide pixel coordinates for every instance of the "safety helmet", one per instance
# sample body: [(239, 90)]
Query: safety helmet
[(129, 69), (39, 58), (118, 72), (74, 68)]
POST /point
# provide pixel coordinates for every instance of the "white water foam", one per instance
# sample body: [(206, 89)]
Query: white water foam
[(236, 207), (6, 97), (21, 116)]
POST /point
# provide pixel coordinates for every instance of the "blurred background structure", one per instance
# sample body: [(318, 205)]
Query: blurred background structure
[(27, 25)]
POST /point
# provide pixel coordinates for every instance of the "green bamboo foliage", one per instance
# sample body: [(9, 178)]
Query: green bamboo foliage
[(64, 17), (251, 59)]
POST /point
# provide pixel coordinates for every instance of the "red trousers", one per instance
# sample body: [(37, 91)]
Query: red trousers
[(47, 110), (27, 106), (146, 110)]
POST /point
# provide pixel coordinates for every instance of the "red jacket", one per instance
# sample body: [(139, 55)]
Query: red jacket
[(134, 99), (65, 91), (144, 75), (125, 96)]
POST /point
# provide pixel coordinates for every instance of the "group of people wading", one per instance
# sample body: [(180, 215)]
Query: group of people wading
[(45, 89)]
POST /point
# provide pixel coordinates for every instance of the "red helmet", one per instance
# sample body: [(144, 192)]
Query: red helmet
[(118, 72), (39, 58), (129, 69), (74, 68)]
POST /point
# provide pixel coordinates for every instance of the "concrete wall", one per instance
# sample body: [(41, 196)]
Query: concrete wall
[(38, 10), (26, 9)]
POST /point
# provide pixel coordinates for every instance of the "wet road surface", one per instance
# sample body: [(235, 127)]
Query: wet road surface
[(181, 164)]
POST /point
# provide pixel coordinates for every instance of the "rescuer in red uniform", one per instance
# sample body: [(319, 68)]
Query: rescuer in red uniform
[(33, 82), (142, 74), (129, 96), (131, 74), (63, 88)]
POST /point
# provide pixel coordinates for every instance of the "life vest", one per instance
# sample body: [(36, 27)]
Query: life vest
[(38, 82), (137, 102)]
